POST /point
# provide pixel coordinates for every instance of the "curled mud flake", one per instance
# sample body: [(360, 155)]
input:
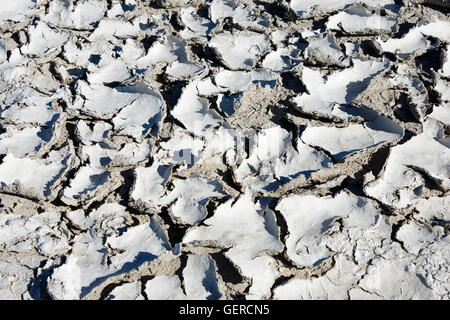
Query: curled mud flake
[(341, 87), (92, 262), (401, 182), (313, 238), (17, 11), (240, 51), (359, 20), (341, 142)]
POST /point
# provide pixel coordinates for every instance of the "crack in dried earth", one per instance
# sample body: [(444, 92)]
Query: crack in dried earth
[(223, 149)]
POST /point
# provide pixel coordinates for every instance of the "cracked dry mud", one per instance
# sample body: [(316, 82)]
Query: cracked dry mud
[(224, 149)]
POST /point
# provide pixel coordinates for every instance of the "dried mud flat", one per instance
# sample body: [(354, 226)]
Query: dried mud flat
[(222, 149)]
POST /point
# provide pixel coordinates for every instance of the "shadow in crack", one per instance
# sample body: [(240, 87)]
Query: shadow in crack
[(354, 89), (210, 284)]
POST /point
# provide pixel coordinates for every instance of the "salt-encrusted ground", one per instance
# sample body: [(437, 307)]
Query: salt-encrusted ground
[(224, 149)]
